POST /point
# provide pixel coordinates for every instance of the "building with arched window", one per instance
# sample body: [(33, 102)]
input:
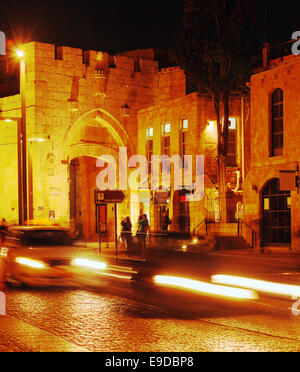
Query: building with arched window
[(271, 195)]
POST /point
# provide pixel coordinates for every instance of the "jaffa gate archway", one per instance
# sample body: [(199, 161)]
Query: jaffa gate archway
[(80, 105)]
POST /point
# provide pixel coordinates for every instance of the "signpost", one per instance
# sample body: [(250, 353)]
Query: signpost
[(108, 197)]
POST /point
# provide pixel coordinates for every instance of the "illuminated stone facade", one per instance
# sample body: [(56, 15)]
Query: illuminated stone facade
[(82, 105), (272, 213), (193, 131), (87, 103)]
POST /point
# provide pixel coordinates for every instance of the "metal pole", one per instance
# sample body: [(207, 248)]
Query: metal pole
[(99, 237), (20, 176), (116, 229), (24, 139), (243, 138)]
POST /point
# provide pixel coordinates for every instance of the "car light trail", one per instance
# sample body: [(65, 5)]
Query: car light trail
[(89, 264), (205, 288), (258, 285), (30, 263)]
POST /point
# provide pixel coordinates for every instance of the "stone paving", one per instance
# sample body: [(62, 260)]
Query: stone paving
[(76, 320), (10, 344), (33, 338)]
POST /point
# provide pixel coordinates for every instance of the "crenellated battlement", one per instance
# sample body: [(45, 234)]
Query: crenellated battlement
[(140, 61)]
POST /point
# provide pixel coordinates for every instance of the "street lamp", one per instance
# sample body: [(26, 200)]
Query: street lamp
[(20, 54), (22, 145), (20, 172)]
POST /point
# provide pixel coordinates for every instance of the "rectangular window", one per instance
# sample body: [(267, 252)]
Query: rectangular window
[(185, 124), (184, 137), (167, 128), (231, 149), (150, 132), (232, 124), (149, 154), (167, 145), (277, 123), (232, 143)]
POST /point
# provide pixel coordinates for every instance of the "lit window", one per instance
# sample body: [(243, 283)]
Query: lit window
[(185, 124), (150, 132), (231, 123), (167, 128), (231, 159)]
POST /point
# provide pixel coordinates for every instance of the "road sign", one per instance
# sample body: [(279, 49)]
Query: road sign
[(109, 196)]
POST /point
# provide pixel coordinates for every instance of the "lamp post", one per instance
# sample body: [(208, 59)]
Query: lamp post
[(24, 193), (22, 145), (20, 172)]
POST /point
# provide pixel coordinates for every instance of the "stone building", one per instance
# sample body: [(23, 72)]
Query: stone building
[(83, 105), (80, 105), (187, 126), (271, 195)]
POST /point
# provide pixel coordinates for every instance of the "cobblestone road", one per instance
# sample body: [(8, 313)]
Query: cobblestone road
[(105, 322)]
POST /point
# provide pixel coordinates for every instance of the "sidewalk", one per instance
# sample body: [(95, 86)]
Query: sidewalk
[(274, 252)]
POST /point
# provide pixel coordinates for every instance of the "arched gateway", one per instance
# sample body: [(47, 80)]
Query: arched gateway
[(92, 135)]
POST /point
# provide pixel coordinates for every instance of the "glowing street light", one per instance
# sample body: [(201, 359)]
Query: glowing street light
[(20, 53)]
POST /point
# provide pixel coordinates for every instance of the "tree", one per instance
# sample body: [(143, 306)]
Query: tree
[(217, 49)]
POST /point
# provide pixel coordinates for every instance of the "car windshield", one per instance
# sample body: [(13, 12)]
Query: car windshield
[(46, 238)]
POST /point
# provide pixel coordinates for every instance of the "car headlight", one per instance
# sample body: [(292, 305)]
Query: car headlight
[(30, 263), (89, 264)]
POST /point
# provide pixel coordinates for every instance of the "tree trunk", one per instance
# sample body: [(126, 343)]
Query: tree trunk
[(222, 186)]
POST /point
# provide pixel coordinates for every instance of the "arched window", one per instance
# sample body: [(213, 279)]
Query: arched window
[(277, 123)]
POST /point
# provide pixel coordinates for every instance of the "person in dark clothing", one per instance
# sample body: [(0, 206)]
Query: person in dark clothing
[(126, 231), (126, 226), (143, 229), (165, 222)]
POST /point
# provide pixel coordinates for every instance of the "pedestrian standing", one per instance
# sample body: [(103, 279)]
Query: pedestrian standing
[(126, 232), (165, 222), (142, 232)]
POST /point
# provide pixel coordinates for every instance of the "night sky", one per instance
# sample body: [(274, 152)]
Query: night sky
[(119, 25)]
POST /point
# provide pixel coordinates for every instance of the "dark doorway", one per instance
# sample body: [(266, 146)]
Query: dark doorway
[(276, 221), (73, 186), (181, 211)]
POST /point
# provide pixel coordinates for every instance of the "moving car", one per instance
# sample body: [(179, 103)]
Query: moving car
[(37, 255)]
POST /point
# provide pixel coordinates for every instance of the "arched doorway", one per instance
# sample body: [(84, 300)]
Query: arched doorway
[(276, 215), (93, 135)]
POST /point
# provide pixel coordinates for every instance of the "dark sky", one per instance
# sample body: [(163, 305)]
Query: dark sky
[(119, 25)]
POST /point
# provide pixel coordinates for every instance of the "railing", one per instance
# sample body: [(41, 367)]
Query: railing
[(282, 50), (200, 225), (241, 225)]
